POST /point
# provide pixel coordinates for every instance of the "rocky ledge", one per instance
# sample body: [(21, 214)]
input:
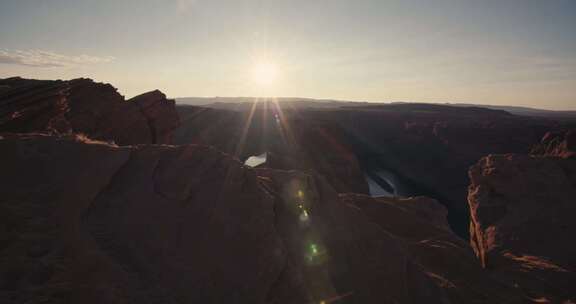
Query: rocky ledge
[(84, 106)]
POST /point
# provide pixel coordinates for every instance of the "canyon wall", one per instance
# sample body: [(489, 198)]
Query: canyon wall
[(99, 223), (522, 216), (95, 207)]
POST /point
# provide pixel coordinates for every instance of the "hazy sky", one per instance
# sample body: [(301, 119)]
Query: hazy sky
[(516, 52)]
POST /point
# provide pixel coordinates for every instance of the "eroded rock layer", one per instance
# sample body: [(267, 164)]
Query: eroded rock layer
[(84, 106), (557, 144), (522, 222)]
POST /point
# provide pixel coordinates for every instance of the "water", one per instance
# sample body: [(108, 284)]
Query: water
[(376, 190), (257, 160), (383, 183)]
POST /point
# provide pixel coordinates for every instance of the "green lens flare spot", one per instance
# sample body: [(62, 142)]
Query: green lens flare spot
[(314, 249)]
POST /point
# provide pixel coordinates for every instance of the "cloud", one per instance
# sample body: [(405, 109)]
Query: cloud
[(39, 58)]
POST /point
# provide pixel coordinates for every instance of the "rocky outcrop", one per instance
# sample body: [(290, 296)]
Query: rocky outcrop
[(557, 144), (433, 147), (522, 220), (98, 223), (160, 114), (33, 105), (84, 106)]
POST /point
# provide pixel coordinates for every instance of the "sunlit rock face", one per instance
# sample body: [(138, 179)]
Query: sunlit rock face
[(557, 144), (522, 217), (84, 106), (90, 222)]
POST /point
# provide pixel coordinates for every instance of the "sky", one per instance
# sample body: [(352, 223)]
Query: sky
[(500, 52)]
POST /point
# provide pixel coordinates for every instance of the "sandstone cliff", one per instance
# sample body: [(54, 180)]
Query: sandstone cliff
[(522, 220), (84, 106)]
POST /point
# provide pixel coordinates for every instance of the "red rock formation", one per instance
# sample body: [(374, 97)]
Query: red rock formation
[(83, 106), (557, 144), (83, 221), (160, 114), (89, 222), (33, 105), (522, 209)]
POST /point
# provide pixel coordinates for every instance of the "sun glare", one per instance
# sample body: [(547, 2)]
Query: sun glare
[(265, 73)]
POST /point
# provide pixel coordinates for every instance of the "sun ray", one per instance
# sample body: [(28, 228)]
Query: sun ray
[(244, 134), (283, 124)]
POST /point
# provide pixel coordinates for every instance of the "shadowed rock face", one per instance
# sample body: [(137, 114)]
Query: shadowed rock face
[(430, 147), (522, 215), (83, 106), (85, 221), (98, 223), (305, 144), (146, 224)]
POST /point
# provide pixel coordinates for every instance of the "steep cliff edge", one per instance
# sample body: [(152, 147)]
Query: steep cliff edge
[(84, 106), (522, 221)]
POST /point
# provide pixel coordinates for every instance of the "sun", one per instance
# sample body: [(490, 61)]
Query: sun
[(265, 73)]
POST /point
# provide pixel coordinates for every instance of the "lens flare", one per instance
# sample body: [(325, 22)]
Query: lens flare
[(304, 217), (314, 249)]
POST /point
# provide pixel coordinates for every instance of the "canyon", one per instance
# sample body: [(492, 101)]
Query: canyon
[(113, 200)]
